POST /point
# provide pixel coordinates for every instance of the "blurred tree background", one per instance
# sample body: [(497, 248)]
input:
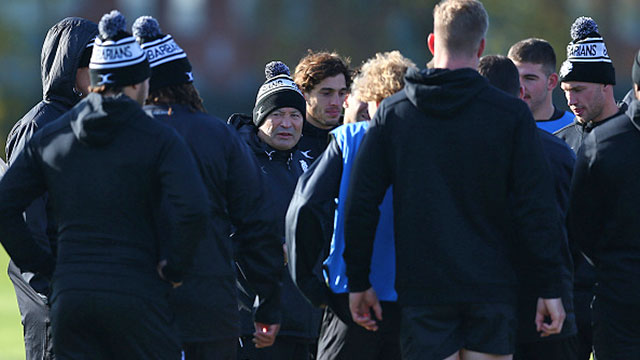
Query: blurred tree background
[(229, 41)]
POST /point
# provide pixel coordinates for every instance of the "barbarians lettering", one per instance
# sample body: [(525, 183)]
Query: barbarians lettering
[(584, 50), (162, 50), (116, 53)]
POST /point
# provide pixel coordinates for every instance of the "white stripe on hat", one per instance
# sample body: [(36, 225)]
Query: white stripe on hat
[(111, 54), (163, 50)]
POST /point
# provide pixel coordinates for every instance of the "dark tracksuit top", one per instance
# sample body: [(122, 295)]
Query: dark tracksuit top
[(605, 201), (313, 142), (105, 164), (206, 305), (281, 171), (561, 161), (458, 153), (61, 53)]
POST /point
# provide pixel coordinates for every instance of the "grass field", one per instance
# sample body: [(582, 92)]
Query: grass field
[(11, 345)]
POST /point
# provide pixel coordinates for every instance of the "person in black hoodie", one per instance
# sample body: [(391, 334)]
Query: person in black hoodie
[(273, 133), (65, 80), (206, 305), (104, 165), (458, 153), (324, 79), (605, 200), (503, 74)]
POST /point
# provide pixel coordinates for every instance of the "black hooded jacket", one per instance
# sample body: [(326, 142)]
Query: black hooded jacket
[(206, 305), (63, 46), (105, 164), (605, 201), (281, 171), (459, 153)]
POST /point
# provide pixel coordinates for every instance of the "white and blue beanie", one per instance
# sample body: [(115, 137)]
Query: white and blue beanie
[(169, 63), (117, 60), (587, 56)]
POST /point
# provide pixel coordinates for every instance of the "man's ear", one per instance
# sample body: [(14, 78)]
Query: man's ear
[(636, 90), (552, 81), (481, 48), (521, 92), (431, 43)]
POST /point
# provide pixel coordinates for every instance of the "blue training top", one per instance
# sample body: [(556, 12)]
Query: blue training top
[(554, 125), (383, 261)]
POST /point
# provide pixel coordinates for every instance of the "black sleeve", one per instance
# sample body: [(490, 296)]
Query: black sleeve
[(370, 179), (307, 219), (23, 182), (258, 245), (182, 184), (36, 213), (585, 200), (538, 222)]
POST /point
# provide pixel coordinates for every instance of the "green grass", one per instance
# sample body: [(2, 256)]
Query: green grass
[(11, 344)]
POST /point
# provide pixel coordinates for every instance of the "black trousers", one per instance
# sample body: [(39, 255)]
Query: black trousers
[(285, 347), (556, 349), (341, 338), (211, 350), (99, 325), (34, 312), (616, 330)]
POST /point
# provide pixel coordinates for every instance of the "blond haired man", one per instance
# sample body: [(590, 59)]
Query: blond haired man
[(469, 180)]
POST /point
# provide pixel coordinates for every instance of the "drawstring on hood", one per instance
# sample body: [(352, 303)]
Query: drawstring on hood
[(443, 92)]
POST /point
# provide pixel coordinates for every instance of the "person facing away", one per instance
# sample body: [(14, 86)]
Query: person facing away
[(503, 74), (458, 153), (272, 133), (65, 79), (324, 79), (104, 165), (604, 201), (206, 306), (327, 181), (536, 63)]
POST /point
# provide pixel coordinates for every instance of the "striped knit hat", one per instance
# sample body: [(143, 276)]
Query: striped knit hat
[(169, 63), (587, 56), (117, 60)]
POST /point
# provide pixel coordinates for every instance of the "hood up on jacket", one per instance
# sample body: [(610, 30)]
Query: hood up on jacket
[(443, 92), (634, 113), (61, 52), (98, 118)]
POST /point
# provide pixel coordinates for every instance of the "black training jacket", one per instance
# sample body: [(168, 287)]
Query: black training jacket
[(61, 52), (561, 161), (206, 305), (281, 171), (105, 164), (605, 201), (313, 142), (458, 153)]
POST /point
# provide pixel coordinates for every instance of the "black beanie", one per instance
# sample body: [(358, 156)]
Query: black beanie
[(117, 60), (277, 92), (635, 70), (169, 63), (587, 56)]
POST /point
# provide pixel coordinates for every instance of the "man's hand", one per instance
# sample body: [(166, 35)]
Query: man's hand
[(360, 304), (552, 308), (161, 266), (265, 334)]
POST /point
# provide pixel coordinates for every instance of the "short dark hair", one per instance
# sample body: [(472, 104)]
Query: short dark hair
[(317, 66), (501, 73), (535, 51), (183, 94)]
